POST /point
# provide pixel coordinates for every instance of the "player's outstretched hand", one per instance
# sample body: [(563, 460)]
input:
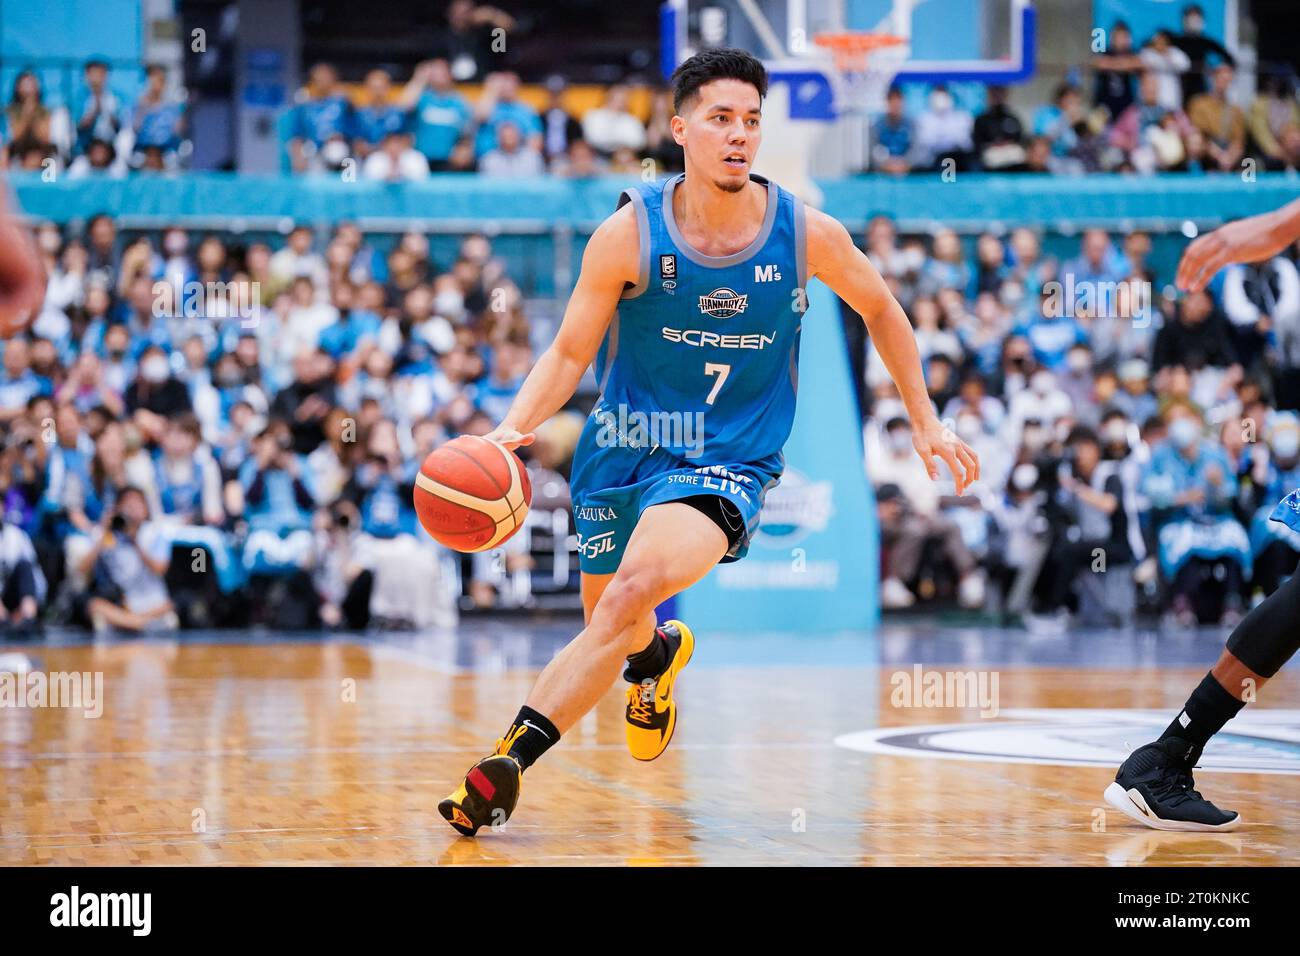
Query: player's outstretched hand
[(935, 440), (1246, 240), (509, 437), (1211, 252)]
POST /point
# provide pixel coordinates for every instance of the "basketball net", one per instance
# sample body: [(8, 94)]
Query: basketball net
[(860, 67), (865, 65)]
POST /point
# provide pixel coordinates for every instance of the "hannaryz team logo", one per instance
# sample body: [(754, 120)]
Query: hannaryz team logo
[(1257, 741), (723, 303), (795, 508)]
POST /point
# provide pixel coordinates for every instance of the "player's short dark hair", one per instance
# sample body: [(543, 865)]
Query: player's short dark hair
[(709, 65)]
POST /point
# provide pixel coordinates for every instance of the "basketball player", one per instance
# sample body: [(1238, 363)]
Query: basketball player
[(689, 301), (1154, 785)]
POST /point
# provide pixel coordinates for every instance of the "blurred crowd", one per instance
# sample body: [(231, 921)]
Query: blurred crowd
[(206, 434), (428, 125), (1132, 441), (1166, 104), (200, 432), (99, 133)]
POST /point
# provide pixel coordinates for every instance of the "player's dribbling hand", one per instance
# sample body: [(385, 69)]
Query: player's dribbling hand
[(22, 283), (509, 437), (935, 440)]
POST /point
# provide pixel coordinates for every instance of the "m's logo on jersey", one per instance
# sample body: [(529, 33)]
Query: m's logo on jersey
[(668, 266), (766, 273), (723, 303)]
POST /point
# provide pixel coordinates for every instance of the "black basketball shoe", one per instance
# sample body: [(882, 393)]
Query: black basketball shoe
[(487, 796), (1154, 786)]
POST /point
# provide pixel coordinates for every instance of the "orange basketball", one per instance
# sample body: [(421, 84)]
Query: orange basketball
[(472, 494)]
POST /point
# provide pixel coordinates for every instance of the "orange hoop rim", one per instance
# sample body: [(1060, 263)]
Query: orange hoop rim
[(852, 49)]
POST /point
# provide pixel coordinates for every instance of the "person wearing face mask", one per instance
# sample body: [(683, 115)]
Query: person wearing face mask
[(1191, 485), (1077, 381), (974, 430), (156, 394), (919, 522), (973, 397), (1015, 553), (117, 368), (1134, 397), (944, 131), (1042, 402), (1276, 546)]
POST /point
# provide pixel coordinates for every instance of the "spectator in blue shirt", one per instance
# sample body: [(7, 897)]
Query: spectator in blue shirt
[(510, 364), (1059, 121), (355, 326), (378, 117), (892, 137), (99, 115), (1098, 262), (276, 497), (499, 105), (1192, 485), (322, 123), (69, 503), (158, 118), (382, 488), (18, 383), (1052, 333), (441, 115)]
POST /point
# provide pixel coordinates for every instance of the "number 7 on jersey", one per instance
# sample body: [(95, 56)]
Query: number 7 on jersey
[(720, 370)]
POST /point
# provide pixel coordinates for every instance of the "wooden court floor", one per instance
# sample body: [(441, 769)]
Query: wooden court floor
[(337, 752)]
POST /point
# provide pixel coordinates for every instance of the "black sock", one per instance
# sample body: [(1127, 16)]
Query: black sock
[(1203, 716), (530, 736), (649, 662)]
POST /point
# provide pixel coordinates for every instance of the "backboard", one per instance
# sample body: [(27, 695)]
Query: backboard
[(812, 125)]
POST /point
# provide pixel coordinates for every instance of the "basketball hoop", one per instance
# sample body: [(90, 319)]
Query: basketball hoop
[(864, 77)]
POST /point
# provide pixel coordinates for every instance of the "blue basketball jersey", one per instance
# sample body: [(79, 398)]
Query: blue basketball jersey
[(700, 362)]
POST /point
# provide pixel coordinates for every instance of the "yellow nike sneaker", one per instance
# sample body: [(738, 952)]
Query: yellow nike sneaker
[(488, 794), (651, 713)]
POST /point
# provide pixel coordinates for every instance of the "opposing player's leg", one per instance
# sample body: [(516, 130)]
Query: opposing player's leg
[(672, 547), (1154, 785)]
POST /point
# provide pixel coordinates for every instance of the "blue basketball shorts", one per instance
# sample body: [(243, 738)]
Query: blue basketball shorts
[(606, 516)]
